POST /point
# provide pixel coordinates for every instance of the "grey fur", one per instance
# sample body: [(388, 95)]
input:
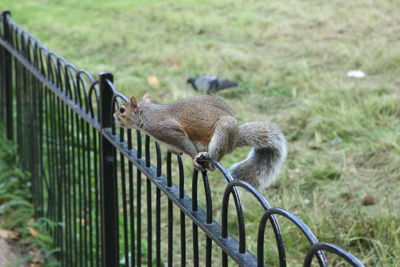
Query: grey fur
[(264, 161)]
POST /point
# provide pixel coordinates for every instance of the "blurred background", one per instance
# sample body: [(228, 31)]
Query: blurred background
[(293, 60)]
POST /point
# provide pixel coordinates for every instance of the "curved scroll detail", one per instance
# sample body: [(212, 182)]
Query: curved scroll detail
[(275, 225), (299, 223), (317, 247)]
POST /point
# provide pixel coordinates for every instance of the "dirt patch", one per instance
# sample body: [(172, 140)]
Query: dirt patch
[(11, 254)]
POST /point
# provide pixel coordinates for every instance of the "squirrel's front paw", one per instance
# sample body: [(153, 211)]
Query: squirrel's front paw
[(198, 166), (201, 155), (204, 165)]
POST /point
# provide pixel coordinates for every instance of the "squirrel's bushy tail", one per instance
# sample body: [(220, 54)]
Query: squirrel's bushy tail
[(265, 159)]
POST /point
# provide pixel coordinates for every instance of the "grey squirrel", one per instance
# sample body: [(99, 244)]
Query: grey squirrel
[(205, 126)]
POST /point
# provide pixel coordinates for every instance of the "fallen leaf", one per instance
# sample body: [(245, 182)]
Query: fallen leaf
[(32, 250), (176, 64), (8, 234), (37, 258), (33, 232), (153, 81)]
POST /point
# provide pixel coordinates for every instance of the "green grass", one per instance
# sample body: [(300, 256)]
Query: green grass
[(291, 58)]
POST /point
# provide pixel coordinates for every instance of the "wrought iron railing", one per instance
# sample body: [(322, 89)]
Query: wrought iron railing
[(103, 192)]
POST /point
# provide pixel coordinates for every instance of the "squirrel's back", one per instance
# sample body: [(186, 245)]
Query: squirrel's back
[(199, 114), (206, 105)]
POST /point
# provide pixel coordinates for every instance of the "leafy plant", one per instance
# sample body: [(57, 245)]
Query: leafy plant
[(16, 209)]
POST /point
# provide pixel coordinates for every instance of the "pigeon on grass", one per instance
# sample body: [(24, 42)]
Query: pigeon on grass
[(210, 84)]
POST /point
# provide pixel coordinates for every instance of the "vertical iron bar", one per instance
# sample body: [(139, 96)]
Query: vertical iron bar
[(24, 112), (31, 133), (18, 97), (79, 196), (124, 202), (64, 179), (74, 183), (195, 227), (158, 227), (8, 76), (2, 81), (170, 215), (131, 203), (64, 133), (182, 214), (60, 178), (158, 209), (139, 203), (57, 186), (69, 221), (53, 163), (89, 142), (149, 223), (139, 218), (97, 199), (85, 195), (149, 206), (108, 180), (57, 177), (224, 259), (100, 201), (207, 192), (195, 245), (208, 251), (42, 177)]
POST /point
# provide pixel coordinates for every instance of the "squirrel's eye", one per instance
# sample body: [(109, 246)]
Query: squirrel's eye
[(121, 110)]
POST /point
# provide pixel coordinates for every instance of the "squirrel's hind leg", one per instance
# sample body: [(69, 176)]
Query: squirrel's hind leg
[(223, 140)]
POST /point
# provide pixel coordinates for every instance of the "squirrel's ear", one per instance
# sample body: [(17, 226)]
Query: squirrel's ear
[(134, 103), (146, 98)]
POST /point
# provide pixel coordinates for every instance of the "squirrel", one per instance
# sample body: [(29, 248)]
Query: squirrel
[(205, 126)]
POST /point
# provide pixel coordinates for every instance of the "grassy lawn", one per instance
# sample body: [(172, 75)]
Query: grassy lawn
[(291, 58)]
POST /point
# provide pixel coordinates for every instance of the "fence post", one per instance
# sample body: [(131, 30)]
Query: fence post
[(108, 178), (8, 75)]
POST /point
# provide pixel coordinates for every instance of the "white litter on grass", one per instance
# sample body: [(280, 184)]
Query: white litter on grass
[(356, 74), (306, 201)]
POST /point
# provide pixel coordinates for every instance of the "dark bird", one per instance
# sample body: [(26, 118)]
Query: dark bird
[(210, 84)]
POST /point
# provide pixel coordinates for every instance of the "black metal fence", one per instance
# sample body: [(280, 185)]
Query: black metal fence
[(113, 206)]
